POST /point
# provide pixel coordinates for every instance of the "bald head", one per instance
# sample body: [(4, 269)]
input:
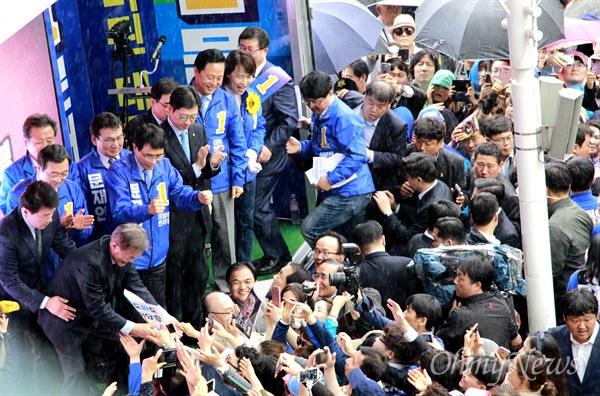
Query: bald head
[(219, 306)]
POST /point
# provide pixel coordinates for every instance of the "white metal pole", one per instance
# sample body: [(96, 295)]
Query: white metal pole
[(522, 29)]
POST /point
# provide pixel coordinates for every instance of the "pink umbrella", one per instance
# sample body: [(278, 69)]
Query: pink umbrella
[(578, 31)]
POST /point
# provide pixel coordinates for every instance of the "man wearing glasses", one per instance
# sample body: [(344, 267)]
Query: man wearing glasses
[(53, 164), (39, 130), (107, 137), (345, 191), (329, 245), (403, 32), (499, 130), (160, 95), (141, 188)]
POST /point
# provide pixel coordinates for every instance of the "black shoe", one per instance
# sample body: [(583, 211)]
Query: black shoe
[(272, 265)]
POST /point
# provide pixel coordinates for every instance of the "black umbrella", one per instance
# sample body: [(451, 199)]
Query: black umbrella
[(470, 29)]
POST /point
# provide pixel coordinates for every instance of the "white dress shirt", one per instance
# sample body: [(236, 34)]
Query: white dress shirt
[(582, 352)]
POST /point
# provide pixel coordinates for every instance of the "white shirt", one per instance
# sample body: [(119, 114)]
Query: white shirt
[(490, 238), (105, 159), (197, 171), (582, 352), (260, 67), (370, 126)]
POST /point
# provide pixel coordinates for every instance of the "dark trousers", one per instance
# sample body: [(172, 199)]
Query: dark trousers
[(187, 276), (266, 224), (31, 365), (244, 222), (155, 279), (100, 359)]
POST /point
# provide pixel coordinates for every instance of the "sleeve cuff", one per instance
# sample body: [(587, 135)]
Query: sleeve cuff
[(197, 171), (44, 302), (128, 327), (411, 335)]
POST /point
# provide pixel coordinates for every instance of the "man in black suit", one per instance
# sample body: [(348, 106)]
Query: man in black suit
[(579, 342), (385, 132), (429, 138), (484, 218), (90, 278), (488, 164), (505, 231), (280, 111), (26, 236), (379, 270), (188, 150), (405, 220), (160, 95)]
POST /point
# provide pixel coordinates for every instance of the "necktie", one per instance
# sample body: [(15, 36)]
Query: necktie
[(148, 177), (111, 160), (185, 144), (38, 241), (204, 105)]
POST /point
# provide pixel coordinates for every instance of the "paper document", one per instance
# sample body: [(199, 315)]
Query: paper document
[(154, 313), (322, 165)]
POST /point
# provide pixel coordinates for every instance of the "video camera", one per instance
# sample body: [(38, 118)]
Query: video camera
[(348, 280), (120, 33)]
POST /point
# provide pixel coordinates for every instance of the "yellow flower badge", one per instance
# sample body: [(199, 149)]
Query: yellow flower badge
[(252, 103)]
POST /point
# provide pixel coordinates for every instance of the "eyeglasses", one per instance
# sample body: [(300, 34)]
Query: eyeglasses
[(409, 31), (191, 118), (249, 50), (313, 103), (323, 253), (55, 177), (506, 139), (322, 276), (153, 157), (111, 140), (163, 104)]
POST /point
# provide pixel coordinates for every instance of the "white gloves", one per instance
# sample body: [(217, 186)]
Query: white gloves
[(253, 166)]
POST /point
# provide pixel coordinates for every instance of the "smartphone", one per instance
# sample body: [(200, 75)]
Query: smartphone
[(427, 336), (457, 188), (385, 68), (211, 322), (171, 328), (276, 296), (570, 59), (321, 358), (403, 54), (506, 74), (503, 352), (488, 78), (168, 356), (308, 375), (474, 329), (210, 385), (595, 69), (460, 86), (278, 368)]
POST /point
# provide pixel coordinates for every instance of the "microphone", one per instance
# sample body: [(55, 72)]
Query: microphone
[(156, 52), (8, 306)]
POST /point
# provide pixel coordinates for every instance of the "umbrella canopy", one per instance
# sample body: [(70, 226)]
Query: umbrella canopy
[(578, 8), (578, 31), (342, 31), (470, 29)]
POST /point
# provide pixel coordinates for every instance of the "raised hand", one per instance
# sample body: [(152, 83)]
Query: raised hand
[(157, 206), (82, 221)]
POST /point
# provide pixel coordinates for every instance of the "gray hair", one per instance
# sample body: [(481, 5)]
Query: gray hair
[(130, 236)]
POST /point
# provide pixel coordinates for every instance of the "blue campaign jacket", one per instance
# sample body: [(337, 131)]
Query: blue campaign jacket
[(339, 130), (223, 126), (254, 130), (20, 170), (68, 192), (129, 198), (92, 174)]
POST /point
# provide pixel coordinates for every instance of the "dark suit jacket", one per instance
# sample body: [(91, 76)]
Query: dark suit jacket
[(135, 123), (450, 167), (388, 142), (182, 222), (389, 276), (413, 220), (89, 280), (591, 380), (22, 275), (506, 231), (510, 203), (280, 111), (475, 237)]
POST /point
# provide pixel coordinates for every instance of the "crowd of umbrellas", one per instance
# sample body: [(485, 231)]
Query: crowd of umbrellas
[(345, 30)]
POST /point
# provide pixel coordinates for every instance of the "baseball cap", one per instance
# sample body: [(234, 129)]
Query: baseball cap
[(442, 78), (431, 113), (579, 55), (402, 20)]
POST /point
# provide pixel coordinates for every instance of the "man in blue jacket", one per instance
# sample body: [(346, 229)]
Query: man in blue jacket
[(220, 115), (39, 130), (345, 191), (141, 187), (107, 135)]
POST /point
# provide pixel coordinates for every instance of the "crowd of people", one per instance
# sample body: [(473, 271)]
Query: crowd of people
[(416, 277)]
